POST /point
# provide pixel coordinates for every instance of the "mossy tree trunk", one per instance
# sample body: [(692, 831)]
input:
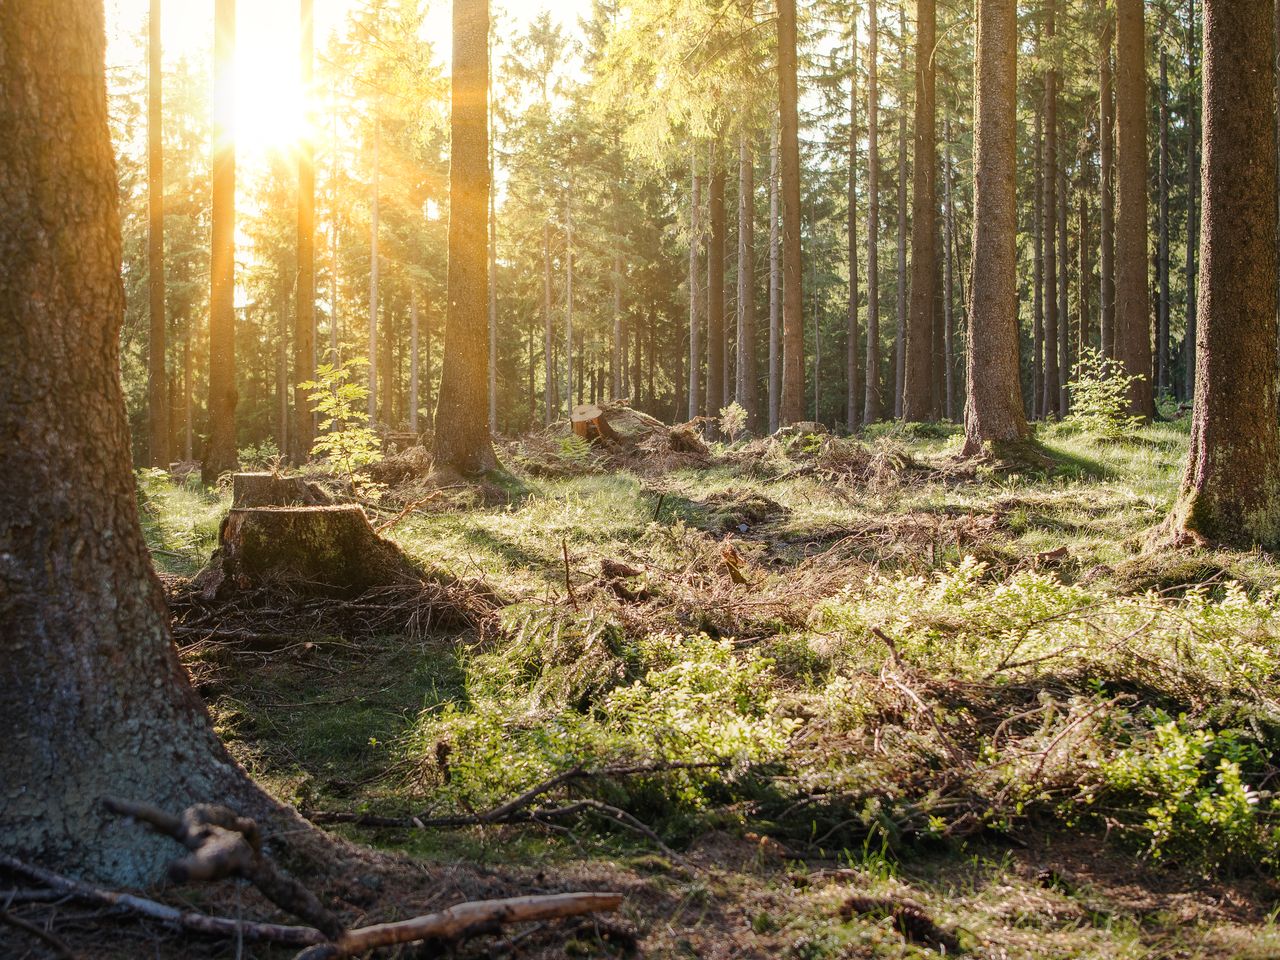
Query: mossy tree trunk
[(93, 700), (1231, 491)]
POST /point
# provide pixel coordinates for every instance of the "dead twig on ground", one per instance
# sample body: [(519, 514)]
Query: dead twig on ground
[(56, 944)]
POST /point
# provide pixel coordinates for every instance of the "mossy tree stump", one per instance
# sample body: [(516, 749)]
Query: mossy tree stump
[(329, 551), (273, 490)]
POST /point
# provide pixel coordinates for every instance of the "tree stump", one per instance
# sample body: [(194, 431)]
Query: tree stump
[(273, 490), (590, 423), (328, 551)]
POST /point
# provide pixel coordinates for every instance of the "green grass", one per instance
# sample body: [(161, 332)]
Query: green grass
[(876, 699)]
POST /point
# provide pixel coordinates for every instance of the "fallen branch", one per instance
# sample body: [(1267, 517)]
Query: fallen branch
[(54, 943), (171, 916), (463, 921), (409, 508)]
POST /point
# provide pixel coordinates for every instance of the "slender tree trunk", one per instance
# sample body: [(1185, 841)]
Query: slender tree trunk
[(304, 331), (1037, 217), (462, 443), (948, 285), (548, 330), (900, 337), (1133, 311), (1162, 256), (993, 403), (871, 404), (695, 291), (748, 387), (791, 404), (93, 699), (157, 378), (618, 366), (1106, 191), (282, 369), (334, 357), (854, 334), (917, 402), (1051, 404), (1231, 490), (414, 360), (715, 285), (1085, 324), (188, 399), (373, 276), (568, 300), (493, 302), (386, 381), (1064, 312), (1193, 209), (775, 287), (220, 450)]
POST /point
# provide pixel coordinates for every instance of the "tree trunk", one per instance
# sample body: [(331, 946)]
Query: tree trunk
[(917, 386), (548, 330), (871, 404), (948, 313), (618, 365), (568, 298), (304, 331), (993, 403), (1193, 210), (220, 449), (334, 357), (748, 387), (1106, 180), (492, 379), (462, 443), (900, 336), (414, 361), (1037, 268), (853, 334), (93, 699), (1162, 255), (282, 369), (373, 276), (775, 287), (1064, 312), (1231, 490), (1133, 312), (157, 379), (791, 405), (715, 285), (1085, 323), (695, 290), (1051, 403)]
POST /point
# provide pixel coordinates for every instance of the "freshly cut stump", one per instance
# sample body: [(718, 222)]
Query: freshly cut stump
[(329, 551), (273, 490)]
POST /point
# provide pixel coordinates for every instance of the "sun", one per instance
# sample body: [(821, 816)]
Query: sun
[(270, 108)]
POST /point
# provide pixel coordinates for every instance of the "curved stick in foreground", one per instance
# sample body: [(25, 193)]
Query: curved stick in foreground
[(462, 921)]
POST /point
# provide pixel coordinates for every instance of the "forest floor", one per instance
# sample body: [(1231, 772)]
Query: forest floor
[(854, 677)]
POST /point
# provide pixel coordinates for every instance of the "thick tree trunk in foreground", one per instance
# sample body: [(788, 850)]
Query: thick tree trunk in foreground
[(157, 382), (1133, 307), (462, 441), (871, 404), (304, 331), (220, 449), (791, 405), (993, 404), (917, 385), (93, 700), (1231, 491), (748, 386)]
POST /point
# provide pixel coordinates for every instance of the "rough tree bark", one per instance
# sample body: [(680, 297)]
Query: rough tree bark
[(1193, 209), (1037, 267), (1231, 490), (304, 331), (1162, 254), (775, 286), (1106, 189), (748, 387), (695, 289), (900, 335), (853, 335), (93, 699), (715, 285), (157, 380), (871, 403), (220, 448), (994, 413), (1064, 312), (948, 278), (1050, 405), (462, 443), (791, 404), (1133, 308), (917, 384)]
